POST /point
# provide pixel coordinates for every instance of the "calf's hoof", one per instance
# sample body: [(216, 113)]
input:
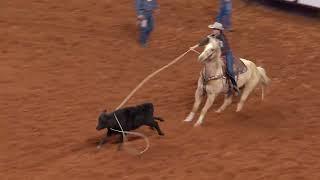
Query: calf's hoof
[(120, 146)]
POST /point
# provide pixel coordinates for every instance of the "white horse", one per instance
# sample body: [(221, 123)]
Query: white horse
[(212, 81)]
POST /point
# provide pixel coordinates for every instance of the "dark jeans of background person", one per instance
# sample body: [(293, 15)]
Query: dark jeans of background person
[(224, 16), (145, 31)]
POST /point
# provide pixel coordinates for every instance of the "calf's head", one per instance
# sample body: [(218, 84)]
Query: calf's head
[(103, 120)]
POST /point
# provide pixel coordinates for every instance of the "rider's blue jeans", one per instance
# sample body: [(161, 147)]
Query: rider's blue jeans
[(230, 73)]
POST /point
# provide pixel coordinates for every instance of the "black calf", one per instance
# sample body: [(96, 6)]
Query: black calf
[(130, 118)]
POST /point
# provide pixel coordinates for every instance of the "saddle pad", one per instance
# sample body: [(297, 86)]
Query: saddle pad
[(238, 66)]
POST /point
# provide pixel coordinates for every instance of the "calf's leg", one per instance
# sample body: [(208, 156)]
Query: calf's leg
[(104, 139), (156, 125), (121, 140)]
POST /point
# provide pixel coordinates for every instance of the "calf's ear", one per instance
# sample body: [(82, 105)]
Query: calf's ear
[(105, 110)]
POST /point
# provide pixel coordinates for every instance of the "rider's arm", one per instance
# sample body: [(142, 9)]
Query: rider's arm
[(203, 42)]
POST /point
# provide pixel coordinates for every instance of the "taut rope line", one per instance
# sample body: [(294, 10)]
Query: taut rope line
[(153, 74)]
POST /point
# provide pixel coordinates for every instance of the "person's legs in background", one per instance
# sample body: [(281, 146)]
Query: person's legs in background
[(224, 15), (227, 16), (143, 36), (150, 25), (146, 27), (220, 15)]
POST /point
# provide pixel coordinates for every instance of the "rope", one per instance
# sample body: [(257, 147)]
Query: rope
[(139, 86), (134, 90), (137, 134), (151, 75), (124, 136), (134, 133), (195, 51)]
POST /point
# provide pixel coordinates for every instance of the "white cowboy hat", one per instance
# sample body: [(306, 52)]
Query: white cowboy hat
[(216, 25)]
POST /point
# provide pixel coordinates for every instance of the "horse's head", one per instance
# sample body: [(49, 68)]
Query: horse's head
[(211, 51)]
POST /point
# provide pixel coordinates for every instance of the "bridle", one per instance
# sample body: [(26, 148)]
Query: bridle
[(215, 77)]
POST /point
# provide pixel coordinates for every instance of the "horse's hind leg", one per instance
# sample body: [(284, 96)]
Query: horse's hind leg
[(197, 101), (245, 93), (209, 102), (227, 101)]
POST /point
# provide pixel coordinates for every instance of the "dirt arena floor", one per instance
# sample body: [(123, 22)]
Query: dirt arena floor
[(63, 62)]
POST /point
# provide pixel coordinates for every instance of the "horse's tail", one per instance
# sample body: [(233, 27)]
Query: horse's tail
[(264, 79)]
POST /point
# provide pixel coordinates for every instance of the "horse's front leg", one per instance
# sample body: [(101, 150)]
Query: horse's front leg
[(197, 101), (210, 99), (227, 101)]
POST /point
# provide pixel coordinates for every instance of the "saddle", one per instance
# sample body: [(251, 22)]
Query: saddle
[(238, 66)]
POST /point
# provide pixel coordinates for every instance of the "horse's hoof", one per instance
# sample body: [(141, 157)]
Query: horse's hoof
[(187, 120), (218, 111), (239, 107), (99, 147), (197, 124)]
